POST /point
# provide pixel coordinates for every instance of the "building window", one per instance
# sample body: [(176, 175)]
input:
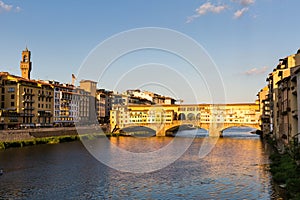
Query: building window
[(11, 89), (2, 98), (12, 96), (12, 104)]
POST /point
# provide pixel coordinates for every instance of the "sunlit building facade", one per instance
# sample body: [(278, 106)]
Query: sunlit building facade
[(282, 102)]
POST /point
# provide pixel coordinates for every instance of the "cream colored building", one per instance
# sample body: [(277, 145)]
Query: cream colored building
[(142, 115), (295, 78), (283, 101)]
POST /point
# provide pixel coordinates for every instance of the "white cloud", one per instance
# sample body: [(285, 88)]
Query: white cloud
[(191, 18), (240, 13), (256, 71), (18, 9), (209, 7), (241, 7), (247, 2), (244, 2), (5, 7), (205, 8)]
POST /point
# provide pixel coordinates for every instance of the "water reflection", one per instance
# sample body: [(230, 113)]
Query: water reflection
[(236, 168)]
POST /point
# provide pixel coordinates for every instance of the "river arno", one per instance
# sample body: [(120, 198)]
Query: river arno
[(236, 168)]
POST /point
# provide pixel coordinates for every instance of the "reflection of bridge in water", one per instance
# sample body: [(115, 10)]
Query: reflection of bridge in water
[(162, 118)]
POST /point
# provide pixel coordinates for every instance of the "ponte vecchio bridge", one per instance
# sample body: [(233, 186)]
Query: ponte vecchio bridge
[(213, 117)]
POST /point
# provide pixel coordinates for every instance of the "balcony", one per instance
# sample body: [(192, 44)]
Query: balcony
[(27, 94), (28, 108), (9, 114), (44, 114), (28, 101), (49, 96), (26, 115)]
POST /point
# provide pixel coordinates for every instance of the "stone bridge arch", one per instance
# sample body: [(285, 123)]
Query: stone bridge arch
[(214, 129), (136, 128), (229, 125)]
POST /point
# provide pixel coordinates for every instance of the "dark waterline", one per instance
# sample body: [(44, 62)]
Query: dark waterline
[(235, 169)]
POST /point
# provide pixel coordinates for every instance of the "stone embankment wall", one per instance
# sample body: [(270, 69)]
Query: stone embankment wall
[(29, 134)]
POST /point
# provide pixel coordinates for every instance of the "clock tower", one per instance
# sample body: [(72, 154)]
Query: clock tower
[(25, 64)]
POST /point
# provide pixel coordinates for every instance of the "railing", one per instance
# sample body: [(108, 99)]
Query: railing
[(28, 108), (28, 101), (26, 115), (27, 94)]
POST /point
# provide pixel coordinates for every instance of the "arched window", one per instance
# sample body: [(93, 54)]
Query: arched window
[(191, 116), (181, 116), (25, 59)]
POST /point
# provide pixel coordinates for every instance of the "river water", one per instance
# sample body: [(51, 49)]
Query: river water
[(236, 168)]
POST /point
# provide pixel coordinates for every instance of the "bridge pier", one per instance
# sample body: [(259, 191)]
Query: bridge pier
[(160, 133), (215, 130)]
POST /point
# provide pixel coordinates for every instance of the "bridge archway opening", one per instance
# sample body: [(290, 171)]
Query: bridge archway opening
[(138, 131), (239, 131), (186, 130)]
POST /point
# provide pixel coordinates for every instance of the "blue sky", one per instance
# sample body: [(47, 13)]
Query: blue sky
[(244, 38)]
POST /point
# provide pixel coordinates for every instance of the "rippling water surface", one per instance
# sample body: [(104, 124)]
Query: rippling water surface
[(236, 168)]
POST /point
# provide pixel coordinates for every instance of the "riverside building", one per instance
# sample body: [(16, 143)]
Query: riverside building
[(279, 106), (25, 102)]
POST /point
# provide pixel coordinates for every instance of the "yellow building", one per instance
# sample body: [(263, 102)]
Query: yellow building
[(264, 109), (25, 102), (143, 115)]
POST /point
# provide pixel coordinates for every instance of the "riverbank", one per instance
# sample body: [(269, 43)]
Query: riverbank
[(37, 141), (29, 137), (49, 140), (31, 133), (285, 173)]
